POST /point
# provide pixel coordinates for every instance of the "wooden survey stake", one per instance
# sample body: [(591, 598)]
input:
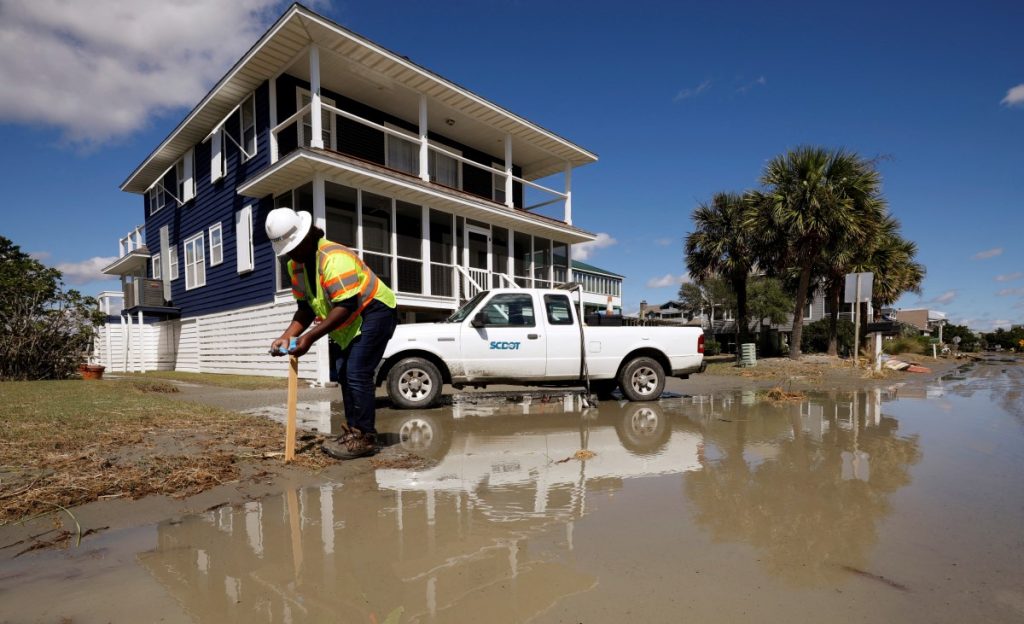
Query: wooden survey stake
[(293, 399)]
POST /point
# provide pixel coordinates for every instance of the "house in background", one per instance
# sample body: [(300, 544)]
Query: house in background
[(435, 187), (928, 322), (601, 288)]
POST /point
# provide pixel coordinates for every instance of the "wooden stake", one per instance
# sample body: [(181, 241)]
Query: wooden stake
[(293, 399)]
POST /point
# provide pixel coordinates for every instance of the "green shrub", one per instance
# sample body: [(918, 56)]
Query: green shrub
[(904, 344), (712, 347), (815, 336)]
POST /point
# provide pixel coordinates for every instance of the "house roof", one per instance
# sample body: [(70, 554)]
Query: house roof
[(539, 152), (589, 268)]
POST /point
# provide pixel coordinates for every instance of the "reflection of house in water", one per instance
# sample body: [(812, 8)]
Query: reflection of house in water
[(805, 482)]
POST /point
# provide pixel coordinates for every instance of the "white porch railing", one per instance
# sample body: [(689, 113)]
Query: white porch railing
[(552, 196), (134, 240)]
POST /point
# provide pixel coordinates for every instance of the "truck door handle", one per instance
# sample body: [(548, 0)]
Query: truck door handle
[(532, 336)]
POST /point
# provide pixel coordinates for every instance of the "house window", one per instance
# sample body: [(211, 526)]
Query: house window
[(409, 238), (326, 121), (402, 154), (156, 266), (216, 245), (377, 229), (809, 310), (195, 262), (498, 181), (172, 251), (248, 111), (445, 170), (156, 198)]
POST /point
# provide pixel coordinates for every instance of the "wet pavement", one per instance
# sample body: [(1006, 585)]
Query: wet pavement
[(900, 504)]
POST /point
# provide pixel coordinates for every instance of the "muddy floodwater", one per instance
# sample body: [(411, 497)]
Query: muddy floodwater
[(902, 504)]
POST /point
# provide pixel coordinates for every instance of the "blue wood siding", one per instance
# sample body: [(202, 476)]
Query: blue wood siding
[(225, 288)]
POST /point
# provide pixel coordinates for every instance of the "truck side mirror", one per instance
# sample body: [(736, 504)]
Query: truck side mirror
[(479, 320)]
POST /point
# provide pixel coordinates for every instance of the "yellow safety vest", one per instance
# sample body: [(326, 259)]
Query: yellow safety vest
[(340, 274)]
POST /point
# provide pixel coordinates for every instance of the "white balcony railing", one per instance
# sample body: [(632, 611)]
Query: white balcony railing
[(135, 239), (548, 196)]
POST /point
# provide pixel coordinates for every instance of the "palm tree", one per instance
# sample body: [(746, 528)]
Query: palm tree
[(892, 260), (813, 195), (722, 244)]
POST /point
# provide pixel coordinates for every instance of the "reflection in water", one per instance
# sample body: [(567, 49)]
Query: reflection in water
[(490, 526), (812, 507)]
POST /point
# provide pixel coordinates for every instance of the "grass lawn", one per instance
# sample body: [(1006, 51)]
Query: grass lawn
[(240, 382), (65, 443)]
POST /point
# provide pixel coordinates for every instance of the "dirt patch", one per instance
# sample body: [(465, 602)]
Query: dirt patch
[(777, 394), (64, 444)]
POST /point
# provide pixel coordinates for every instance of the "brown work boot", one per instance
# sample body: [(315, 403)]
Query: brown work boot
[(351, 444)]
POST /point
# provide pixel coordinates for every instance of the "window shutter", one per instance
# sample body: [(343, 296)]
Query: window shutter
[(190, 180), (165, 260), (216, 160), (243, 239)]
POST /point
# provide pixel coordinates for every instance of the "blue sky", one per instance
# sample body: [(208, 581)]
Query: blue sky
[(679, 100)]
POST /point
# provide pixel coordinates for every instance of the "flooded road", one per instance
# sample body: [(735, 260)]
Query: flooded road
[(903, 504)]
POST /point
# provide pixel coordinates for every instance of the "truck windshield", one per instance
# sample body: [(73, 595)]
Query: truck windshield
[(461, 314)]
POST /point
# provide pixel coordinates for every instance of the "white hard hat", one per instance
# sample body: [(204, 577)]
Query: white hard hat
[(286, 229)]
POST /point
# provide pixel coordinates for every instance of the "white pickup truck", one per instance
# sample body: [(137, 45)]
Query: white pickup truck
[(533, 337)]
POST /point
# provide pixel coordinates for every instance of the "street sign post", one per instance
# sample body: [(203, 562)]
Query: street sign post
[(858, 290)]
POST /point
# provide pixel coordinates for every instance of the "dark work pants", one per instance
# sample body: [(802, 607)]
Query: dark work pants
[(359, 361)]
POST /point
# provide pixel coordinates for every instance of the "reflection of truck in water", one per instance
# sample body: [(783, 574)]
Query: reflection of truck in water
[(533, 337), (473, 456)]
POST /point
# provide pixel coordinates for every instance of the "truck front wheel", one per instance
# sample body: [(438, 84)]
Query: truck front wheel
[(642, 379), (414, 383)]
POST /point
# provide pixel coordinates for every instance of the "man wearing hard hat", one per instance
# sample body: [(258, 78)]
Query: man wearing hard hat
[(331, 284)]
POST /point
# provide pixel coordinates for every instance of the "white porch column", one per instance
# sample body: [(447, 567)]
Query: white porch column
[(425, 248), (508, 172), (273, 120), (568, 194), (317, 140), (424, 144), (323, 360)]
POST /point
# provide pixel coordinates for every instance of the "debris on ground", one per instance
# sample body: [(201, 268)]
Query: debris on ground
[(581, 455), (777, 394), (404, 461)]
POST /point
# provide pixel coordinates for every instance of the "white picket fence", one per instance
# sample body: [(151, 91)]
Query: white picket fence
[(233, 342)]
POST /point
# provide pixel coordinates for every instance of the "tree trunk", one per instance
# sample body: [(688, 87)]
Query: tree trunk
[(834, 288), (798, 311)]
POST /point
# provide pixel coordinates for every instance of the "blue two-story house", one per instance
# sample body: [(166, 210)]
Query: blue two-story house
[(435, 187)]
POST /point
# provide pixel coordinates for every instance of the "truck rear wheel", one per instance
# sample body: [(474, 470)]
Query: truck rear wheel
[(414, 383), (642, 379)]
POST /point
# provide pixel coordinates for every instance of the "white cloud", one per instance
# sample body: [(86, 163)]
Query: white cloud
[(41, 256), (664, 242), (988, 253), (1009, 277), (1004, 323), (78, 273), (1010, 292), (692, 92), (667, 280), (1014, 97), (102, 69), (943, 299), (759, 82), (583, 251)]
